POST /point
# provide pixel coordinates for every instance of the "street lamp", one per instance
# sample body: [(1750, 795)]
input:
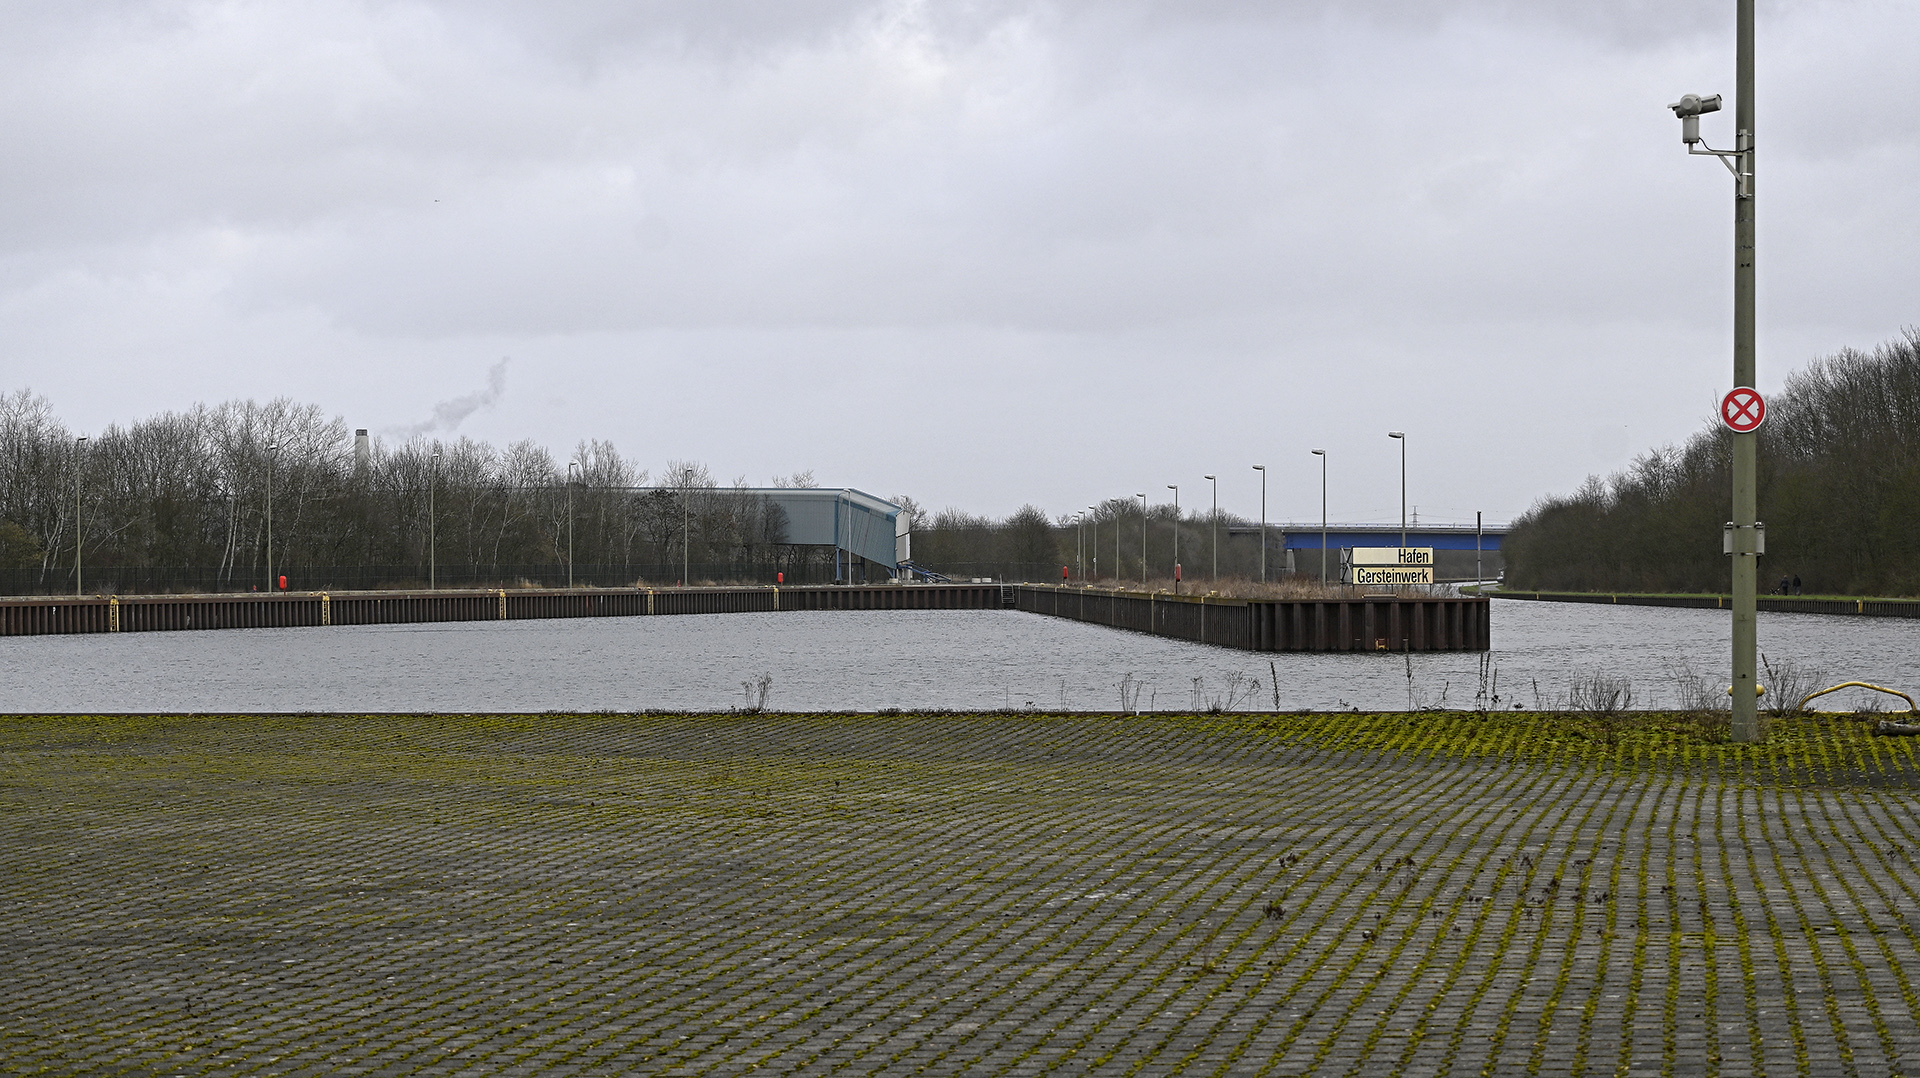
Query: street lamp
[(686, 532), (79, 460), (1744, 539), (1476, 550), (225, 576), (1262, 469), (1093, 517), (1322, 454), (1175, 487), (1080, 544), (1402, 439), (1143, 539), (1214, 525), (571, 465), (272, 448), (433, 524)]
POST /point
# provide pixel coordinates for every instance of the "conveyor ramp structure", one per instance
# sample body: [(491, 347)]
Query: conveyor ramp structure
[(862, 529)]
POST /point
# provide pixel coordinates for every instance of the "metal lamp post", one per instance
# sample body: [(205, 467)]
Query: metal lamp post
[(79, 460), (228, 566), (1080, 544), (1143, 539), (433, 525), (272, 448), (1175, 487), (1322, 454), (1213, 525), (1093, 517), (686, 532), (1262, 469), (571, 465), (1401, 437), (1744, 539)]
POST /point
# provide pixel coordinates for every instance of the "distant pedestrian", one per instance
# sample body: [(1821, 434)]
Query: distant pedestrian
[(1796, 583), (1784, 585)]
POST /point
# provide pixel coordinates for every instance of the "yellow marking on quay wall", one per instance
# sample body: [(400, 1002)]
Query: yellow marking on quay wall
[(326, 609), (113, 614)]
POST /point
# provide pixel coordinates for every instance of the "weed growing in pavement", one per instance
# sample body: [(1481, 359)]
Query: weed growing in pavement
[(1600, 695), (1240, 690), (1417, 698), (756, 691), (1488, 696), (1788, 683), (1547, 703), (1130, 694), (1206, 948)]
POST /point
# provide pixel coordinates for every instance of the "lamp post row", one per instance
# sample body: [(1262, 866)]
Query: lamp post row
[(1214, 521)]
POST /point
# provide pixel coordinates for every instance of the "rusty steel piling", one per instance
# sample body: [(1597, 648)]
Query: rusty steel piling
[(1396, 622), (1370, 623)]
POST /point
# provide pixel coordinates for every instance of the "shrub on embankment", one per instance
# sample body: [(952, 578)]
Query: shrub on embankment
[(1839, 487)]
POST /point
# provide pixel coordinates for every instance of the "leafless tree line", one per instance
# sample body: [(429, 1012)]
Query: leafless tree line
[(1839, 484), (1107, 540), (183, 500)]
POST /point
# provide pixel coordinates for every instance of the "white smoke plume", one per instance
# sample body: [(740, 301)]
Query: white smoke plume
[(449, 414)]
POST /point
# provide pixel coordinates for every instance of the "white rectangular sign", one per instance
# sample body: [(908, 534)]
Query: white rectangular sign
[(1391, 555), (1392, 575)]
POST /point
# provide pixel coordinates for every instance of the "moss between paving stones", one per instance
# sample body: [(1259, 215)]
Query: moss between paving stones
[(1831, 748), (1004, 893), (1827, 743)]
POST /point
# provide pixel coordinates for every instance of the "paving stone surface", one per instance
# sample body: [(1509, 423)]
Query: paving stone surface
[(815, 895)]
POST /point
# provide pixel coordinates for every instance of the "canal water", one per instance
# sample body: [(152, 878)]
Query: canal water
[(1543, 655)]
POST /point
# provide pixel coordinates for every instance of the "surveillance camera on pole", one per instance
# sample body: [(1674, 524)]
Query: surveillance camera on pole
[(1690, 108), (1738, 160)]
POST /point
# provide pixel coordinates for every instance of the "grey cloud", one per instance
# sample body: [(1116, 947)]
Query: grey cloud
[(1233, 190)]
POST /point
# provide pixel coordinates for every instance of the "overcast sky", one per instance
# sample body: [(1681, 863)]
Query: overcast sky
[(982, 253)]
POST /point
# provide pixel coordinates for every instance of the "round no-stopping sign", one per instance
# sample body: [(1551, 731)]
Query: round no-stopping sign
[(1743, 410)]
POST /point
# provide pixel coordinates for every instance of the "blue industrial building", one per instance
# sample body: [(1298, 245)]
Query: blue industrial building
[(1456, 547)]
